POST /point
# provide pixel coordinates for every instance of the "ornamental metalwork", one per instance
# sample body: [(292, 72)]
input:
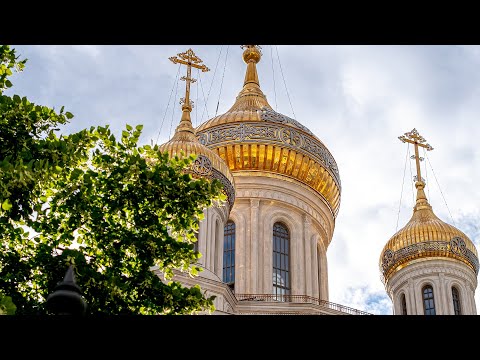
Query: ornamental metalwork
[(228, 188), (276, 134), (202, 165), (240, 133), (456, 247), (388, 257), (271, 115)]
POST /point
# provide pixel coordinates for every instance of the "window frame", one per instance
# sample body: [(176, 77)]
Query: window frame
[(228, 265), (281, 249), (457, 304), (430, 297)]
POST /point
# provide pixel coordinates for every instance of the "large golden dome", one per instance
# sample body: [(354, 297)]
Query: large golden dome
[(251, 136), (207, 164), (425, 236)]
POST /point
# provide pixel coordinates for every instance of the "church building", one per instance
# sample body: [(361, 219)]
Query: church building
[(264, 250)]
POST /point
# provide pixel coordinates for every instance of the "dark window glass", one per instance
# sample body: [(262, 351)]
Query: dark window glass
[(229, 254), (428, 300), (281, 265), (456, 301), (404, 305)]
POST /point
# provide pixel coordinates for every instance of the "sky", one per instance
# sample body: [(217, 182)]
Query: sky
[(357, 99)]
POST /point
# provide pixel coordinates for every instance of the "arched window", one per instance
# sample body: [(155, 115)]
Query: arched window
[(404, 305), (457, 310), (229, 254), (428, 300), (281, 262)]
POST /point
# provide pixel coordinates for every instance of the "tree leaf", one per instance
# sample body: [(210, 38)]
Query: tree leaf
[(6, 205)]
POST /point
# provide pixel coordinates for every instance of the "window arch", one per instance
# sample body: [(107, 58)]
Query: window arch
[(457, 310), (229, 254), (403, 300), (281, 261), (428, 300)]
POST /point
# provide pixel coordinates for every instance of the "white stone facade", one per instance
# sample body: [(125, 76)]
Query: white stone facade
[(263, 199), (260, 203), (441, 274)]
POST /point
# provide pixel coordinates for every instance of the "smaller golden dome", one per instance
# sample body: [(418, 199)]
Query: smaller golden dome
[(207, 164), (184, 142), (426, 236)]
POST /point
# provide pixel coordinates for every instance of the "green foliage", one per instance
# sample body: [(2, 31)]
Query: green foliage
[(111, 208), (8, 61), (7, 307)]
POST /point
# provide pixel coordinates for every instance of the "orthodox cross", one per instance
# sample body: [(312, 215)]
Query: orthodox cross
[(413, 137), (189, 59)]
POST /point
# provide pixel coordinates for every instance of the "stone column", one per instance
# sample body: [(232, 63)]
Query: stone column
[(219, 250), (469, 300), (254, 273), (308, 261), (411, 298), (323, 269), (473, 306), (315, 267), (210, 243), (212, 240), (241, 246), (442, 303)]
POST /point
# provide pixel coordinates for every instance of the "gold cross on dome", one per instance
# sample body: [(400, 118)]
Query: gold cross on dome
[(189, 59), (413, 137)]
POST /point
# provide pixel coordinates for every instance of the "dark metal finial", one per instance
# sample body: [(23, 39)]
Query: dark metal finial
[(67, 299)]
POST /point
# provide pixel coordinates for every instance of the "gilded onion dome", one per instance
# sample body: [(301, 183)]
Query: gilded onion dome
[(251, 136), (425, 236), (207, 164)]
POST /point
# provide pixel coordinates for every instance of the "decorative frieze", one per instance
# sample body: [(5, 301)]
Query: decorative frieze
[(454, 248), (202, 166), (255, 132)]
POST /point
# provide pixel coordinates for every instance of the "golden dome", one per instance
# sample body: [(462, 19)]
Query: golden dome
[(207, 164), (251, 136), (426, 236)]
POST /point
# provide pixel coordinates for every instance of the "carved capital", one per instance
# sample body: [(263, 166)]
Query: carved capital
[(254, 203)]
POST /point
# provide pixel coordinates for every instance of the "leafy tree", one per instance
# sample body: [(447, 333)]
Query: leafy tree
[(110, 208), (7, 307)]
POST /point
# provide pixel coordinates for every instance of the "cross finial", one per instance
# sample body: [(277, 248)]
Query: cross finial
[(189, 59), (413, 137)]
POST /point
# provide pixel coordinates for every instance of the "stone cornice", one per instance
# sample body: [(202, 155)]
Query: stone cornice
[(293, 200), (430, 267)]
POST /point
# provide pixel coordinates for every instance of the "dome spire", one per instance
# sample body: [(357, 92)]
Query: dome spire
[(251, 96), (189, 59), (413, 137), (251, 56)]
